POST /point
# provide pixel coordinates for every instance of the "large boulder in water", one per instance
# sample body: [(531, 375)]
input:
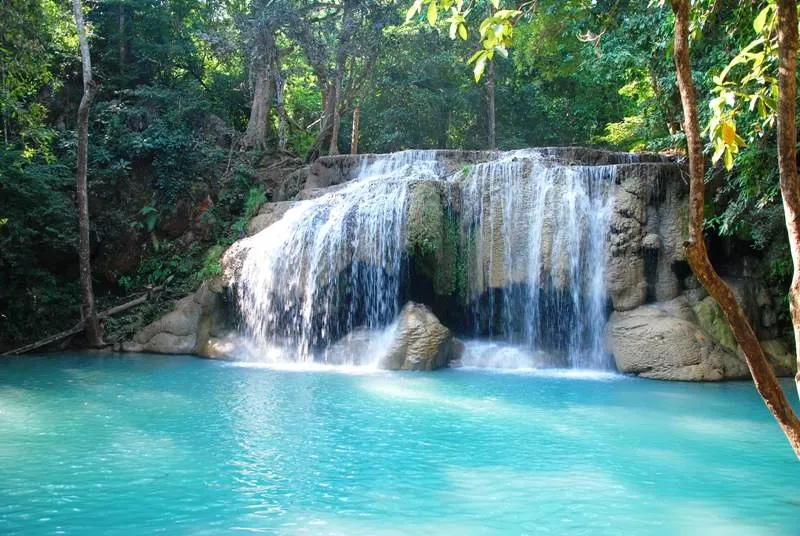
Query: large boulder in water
[(192, 327), (421, 342), (662, 342)]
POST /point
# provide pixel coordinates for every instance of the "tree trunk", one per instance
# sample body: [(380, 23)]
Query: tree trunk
[(93, 332), (256, 134), (325, 123), (354, 131), (283, 122), (764, 378), (490, 107), (263, 58), (336, 119), (787, 153)]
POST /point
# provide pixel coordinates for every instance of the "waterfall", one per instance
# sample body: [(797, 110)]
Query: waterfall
[(536, 233), (331, 263), (533, 232)]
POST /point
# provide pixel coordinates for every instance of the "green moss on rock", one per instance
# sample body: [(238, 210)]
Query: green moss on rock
[(425, 221), (712, 320)]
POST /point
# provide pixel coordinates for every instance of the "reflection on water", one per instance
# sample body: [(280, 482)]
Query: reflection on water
[(139, 444)]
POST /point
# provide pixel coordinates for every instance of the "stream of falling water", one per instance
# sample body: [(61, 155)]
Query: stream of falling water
[(538, 231), (534, 232), (332, 263)]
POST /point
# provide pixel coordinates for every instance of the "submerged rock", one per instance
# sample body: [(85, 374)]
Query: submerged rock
[(421, 342)]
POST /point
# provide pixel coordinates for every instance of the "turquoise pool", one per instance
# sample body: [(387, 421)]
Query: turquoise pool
[(139, 444)]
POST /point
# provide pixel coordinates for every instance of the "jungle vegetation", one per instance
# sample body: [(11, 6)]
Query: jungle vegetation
[(193, 99)]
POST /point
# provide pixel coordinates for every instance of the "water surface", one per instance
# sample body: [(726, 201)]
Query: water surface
[(139, 444)]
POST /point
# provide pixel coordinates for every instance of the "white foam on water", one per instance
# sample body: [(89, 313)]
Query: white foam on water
[(310, 366), (505, 358)]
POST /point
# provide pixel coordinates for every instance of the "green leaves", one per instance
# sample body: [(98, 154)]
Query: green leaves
[(433, 13), (480, 59), (760, 22), (149, 215), (415, 8), (458, 24), (755, 83), (495, 31)]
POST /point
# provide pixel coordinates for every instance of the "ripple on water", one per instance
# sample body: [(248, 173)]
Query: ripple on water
[(197, 447)]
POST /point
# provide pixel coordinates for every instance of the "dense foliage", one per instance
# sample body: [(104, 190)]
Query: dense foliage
[(175, 159)]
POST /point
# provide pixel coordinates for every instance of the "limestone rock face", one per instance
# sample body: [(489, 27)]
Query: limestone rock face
[(681, 335), (269, 214), (421, 342), (783, 361), (648, 228), (185, 330), (653, 342)]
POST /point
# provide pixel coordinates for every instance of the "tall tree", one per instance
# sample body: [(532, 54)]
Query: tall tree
[(340, 40), (764, 378), (787, 152), (262, 64), (93, 332)]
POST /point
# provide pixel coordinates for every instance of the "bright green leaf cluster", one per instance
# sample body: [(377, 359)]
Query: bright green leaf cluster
[(757, 86), (495, 31)]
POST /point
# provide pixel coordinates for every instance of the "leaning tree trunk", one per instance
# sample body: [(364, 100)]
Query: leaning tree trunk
[(764, 378), (787, 153), (93, 332)]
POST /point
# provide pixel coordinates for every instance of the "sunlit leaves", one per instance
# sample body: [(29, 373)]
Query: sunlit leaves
[(760, 22), (747, 83), (495, 31), (415, 8), (433, 13)]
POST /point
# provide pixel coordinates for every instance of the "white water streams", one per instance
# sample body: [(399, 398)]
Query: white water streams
[(332, 263), (534, 233), (538, 231)]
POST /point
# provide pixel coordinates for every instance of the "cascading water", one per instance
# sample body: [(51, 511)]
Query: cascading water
[(537, 231), (534, 233), (331, 263)]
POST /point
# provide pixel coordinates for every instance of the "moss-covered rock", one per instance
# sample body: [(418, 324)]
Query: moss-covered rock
[(782, 360), (425, 221), (711, 319)]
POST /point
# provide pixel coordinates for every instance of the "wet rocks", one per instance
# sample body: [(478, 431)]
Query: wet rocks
[(191, 327), (661, 343), (421, 342), (681, 340)]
